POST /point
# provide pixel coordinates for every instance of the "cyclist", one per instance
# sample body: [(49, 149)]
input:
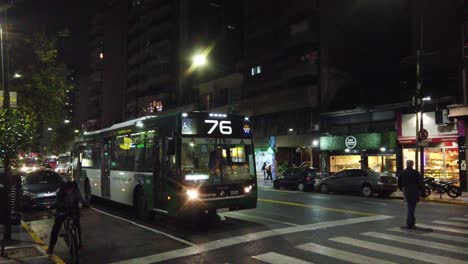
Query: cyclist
[(67, 203)]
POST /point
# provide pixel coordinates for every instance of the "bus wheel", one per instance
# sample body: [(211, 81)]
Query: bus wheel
[(139, 203)]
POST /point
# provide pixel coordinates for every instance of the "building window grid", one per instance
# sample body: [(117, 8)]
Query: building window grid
[(255, 70)]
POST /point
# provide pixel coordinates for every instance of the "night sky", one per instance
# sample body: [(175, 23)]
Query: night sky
[(366, 39)]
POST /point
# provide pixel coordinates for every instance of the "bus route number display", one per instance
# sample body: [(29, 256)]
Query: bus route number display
[(215, 127)]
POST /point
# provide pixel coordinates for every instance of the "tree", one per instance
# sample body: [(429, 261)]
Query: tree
[(43, 88)]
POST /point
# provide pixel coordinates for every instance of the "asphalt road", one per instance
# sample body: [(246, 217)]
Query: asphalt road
[(287, 227)]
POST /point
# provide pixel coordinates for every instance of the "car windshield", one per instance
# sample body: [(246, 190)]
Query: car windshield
[(216, 161), (64, 159), (42, 177)]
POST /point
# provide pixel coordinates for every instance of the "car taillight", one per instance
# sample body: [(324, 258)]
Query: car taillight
[(308, 179)]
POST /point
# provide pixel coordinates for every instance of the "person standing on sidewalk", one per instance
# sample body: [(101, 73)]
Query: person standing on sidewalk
[(410, 183)]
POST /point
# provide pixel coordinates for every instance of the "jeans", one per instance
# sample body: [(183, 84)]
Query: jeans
[(56, 229), (410, 218)]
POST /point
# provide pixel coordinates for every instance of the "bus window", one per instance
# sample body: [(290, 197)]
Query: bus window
[(170, 158), (147, 163)]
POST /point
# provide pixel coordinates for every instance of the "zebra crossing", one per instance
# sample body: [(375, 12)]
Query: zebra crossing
[(447, 243)]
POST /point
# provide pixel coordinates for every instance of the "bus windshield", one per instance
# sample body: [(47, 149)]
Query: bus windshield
[(216, 160)]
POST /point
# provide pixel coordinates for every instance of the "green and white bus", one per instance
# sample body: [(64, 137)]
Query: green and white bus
[(176, 164)]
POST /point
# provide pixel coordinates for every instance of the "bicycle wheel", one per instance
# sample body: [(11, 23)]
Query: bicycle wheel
[(74, 246)]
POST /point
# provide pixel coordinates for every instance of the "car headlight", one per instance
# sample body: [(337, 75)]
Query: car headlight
[(192, 194)]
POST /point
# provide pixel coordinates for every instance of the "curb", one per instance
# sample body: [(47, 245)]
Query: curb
[(432, 200), (41, 243)]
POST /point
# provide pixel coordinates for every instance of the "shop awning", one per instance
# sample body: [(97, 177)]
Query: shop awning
[(458, 111)]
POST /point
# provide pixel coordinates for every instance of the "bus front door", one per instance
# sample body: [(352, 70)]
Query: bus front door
[(159, 201), (105, 169)]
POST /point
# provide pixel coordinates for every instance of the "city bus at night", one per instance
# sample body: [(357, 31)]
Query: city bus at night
[(176, 164)]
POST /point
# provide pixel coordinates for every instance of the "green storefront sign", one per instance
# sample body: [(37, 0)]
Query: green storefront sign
[(366, 141)]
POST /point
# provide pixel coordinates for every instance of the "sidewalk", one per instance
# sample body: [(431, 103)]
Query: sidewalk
[(434, 197), (25, 247)]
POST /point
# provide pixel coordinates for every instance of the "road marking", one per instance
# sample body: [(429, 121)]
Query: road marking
[(377, 203), (418, 242), (397, 251), (183, 241), (315, 207), (450, 223), (431, 234), (275, 258), (443, 228), (217, 244), (341, 254), (39, 241), (274, 190), (261, 218), (459, 219)]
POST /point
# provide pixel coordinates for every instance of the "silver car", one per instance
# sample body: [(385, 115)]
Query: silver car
[(365, 182)]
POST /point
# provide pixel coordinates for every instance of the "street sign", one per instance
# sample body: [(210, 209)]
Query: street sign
[(13, 99), (423, 143), (350, 142), (423, 134)]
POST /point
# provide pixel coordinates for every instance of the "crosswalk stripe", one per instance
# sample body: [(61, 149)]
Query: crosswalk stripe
[(444, 228), (340, 254), (418, 242), (431, 234), (397, 251), (275, 258), (450, 223), (459, 219)]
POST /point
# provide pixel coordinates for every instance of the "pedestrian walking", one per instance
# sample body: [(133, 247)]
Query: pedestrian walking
[(269, 175), (410, 183), (264, 170)]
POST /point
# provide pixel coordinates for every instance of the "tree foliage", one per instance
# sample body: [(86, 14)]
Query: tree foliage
[(44, 84), (16, 131)]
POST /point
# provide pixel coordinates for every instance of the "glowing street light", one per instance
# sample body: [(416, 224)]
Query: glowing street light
[(66, 121), (199, 60), (17, 75)]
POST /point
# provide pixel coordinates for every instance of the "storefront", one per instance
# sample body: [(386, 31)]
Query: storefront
[(376, 151), (441, 149)]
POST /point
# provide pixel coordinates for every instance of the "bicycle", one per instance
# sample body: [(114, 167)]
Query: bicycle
[(71, 237)]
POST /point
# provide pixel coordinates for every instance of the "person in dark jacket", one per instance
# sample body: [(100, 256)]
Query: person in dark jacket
[(67, 203), (410, 183)]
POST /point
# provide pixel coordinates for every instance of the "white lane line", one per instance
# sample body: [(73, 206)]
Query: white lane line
[(459, 219), (248, 238), (419, 242), (377, 203), (274, 190), (260, 218), (450, 223), (397, 251), (444, 228), (341, 254), (275, 258), (183, 241), (431, 235)]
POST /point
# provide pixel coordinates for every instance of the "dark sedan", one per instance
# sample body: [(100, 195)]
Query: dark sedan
[(38, 188), (302, 179), (366, 182)]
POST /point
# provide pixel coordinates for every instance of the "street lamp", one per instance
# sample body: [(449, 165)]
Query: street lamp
[(17, 75), (199, 60), (49, 129), (66, 121)]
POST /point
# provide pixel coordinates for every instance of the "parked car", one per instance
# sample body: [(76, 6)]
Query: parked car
[(366, 182), (302, 179), (38, 188)]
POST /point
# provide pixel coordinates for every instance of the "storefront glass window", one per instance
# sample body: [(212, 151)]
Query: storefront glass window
[(383, 163), (440, 162), (338, 163)]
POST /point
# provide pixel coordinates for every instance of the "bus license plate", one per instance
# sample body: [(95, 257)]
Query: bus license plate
[(222, 210)]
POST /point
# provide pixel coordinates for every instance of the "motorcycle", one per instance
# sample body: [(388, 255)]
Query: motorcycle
[(440, 187)]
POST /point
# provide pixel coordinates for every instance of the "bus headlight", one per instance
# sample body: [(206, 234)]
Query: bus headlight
[(192, 194), (247, 189)]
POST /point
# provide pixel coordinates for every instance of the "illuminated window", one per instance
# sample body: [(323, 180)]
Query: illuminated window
[(154, 106), (255, 70)]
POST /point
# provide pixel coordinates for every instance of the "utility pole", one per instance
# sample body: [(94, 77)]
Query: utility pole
[(6, 161), (419, 93)]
